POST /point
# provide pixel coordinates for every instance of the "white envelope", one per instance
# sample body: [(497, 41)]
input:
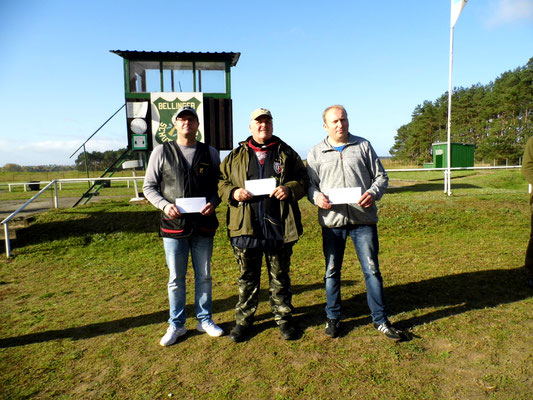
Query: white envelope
[(344, 195), (190, 204), (259, 187)]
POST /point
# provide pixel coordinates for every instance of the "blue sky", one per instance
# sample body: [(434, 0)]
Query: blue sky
[(378, 58)]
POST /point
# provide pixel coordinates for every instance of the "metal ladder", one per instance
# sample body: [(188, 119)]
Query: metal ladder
[(98, 184)]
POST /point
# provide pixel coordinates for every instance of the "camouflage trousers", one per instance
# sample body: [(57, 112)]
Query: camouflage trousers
[(278, 263)]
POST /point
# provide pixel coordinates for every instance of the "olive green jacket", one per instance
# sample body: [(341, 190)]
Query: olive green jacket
[(527, 166), (233, 175)]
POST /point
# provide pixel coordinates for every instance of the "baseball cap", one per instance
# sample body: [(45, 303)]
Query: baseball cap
[(260, 112), (186, 109)]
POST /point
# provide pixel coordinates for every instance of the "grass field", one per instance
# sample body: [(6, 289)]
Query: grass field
[(84, 305)]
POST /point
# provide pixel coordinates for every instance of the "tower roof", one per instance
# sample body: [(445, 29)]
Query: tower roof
[(133, 55)]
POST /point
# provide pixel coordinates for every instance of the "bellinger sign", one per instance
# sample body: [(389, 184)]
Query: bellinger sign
[(165, 105)]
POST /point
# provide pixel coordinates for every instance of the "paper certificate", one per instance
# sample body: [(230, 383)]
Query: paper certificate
[(259, 187), (344, 195), (190, 204)]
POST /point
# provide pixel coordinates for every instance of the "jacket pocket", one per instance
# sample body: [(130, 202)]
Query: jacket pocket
[(235, 218), (207, 225), (272, 229), (172, 226)]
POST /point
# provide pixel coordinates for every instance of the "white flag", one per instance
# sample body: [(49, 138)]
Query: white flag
[(457, 7)]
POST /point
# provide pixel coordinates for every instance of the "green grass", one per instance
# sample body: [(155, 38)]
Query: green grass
[(84, 305)]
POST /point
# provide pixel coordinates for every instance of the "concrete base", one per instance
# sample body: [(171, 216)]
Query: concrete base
[(138, 200)]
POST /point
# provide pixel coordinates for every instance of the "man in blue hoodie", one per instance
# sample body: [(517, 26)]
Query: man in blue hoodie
[(347, 162)]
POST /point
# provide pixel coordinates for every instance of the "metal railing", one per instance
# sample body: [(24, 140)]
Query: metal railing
[(55, 183), (5, 222)]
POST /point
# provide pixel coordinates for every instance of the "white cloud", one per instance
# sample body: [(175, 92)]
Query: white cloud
[(510, 11)]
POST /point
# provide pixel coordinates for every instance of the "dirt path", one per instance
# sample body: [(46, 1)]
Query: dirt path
[(41, 205)]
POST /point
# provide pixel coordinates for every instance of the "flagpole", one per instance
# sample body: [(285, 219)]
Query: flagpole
[(456, 8), (447, 173)]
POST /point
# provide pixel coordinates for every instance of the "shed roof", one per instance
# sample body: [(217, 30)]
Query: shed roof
[(454, 143), (133, 55)]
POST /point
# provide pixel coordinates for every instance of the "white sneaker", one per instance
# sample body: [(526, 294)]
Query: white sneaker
[(173, 333), (209, 327)]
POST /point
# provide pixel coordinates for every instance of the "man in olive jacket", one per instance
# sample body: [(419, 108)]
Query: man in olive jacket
[(263, 224), (527, 171)]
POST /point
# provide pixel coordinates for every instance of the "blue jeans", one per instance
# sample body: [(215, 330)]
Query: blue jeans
[(177, 255), (365, 240)]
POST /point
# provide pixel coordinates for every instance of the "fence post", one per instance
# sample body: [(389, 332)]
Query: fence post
[(8, 245), (56, 197)]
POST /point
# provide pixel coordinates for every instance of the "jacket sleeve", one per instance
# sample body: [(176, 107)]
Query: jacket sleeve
[(380, 179), (225, 184), (314, 179), (527, 162), (298, 180), (152, 179)]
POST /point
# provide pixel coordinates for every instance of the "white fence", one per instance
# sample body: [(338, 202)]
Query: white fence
[(445, 170), (56, 184)]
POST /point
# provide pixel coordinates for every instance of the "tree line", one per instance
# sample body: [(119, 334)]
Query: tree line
[(96, 161), (497, 118), (12, 167)]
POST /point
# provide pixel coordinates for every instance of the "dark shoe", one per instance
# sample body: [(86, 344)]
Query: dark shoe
[(287, 330), (332, 327), (389, 331), (530, 282), (239, 333)]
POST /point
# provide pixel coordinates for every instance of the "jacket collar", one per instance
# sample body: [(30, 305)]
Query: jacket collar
[(352, 140), (245, 142)]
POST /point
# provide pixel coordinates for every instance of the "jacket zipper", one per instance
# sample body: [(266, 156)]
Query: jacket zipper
[(347, 218)]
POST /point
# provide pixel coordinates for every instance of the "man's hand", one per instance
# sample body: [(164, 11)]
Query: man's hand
[(208, 209), (322, 201), (366, 200), (172, 211), (242, 194), (281, 192)]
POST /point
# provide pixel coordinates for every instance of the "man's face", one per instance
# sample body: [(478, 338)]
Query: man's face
[(261, 128), (187, 126), (336, 125)]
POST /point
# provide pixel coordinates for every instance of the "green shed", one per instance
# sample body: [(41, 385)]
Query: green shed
[(462, 155)]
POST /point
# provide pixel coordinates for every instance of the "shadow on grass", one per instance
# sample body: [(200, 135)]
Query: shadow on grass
[(90, 223), (452, 295), (428, 187), (124, 324)]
